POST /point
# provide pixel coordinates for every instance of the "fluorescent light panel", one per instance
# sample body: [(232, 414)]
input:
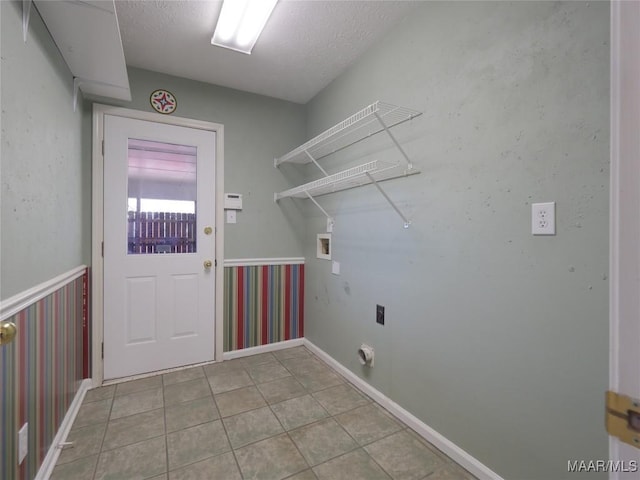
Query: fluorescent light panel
[(241, 22)]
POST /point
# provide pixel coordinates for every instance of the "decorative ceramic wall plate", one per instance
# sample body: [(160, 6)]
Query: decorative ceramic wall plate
[(163, 101)]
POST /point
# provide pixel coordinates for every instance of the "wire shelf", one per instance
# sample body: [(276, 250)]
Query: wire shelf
[(350, 178), (358, 126)]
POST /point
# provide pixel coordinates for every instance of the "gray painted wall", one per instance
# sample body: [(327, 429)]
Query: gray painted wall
[(256, 130), (45, 179), (495, 338)]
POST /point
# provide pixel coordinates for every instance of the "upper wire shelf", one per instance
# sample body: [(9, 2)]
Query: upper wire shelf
[(353, 177), (358, 126)]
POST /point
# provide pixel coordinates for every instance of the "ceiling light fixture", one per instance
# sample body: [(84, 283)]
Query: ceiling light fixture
[(241, 22)]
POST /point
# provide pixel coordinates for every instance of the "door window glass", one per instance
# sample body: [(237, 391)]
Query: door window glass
[(162, 196)]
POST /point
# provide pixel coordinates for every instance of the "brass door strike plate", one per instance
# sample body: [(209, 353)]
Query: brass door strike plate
[(623, 418)]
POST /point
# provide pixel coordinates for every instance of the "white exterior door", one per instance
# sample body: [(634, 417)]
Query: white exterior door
[(625, 220), (159, 246)]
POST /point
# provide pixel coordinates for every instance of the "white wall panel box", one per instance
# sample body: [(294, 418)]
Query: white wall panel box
[(233, 201)]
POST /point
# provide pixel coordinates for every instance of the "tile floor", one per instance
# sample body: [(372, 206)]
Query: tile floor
[(281, 415)]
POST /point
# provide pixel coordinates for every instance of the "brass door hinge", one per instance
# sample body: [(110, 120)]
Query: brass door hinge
[(623, 418)]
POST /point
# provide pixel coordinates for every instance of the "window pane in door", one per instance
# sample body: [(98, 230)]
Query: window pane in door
[(161, 197)]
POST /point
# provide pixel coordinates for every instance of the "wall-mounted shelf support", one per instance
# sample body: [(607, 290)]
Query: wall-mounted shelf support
[(77, 81), (386, 129), (329, 217), (316, 163), (26, 17), (407, 222)]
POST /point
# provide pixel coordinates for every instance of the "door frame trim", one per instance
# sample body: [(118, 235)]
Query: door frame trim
[(97, 223), (624, 254)]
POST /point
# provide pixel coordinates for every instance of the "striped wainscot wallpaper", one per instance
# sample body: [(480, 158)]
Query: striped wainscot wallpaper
[(40, 373), (262, 304)]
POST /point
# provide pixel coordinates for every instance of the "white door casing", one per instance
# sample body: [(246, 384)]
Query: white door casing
[(158, 307), (161, 272), (624, 301)]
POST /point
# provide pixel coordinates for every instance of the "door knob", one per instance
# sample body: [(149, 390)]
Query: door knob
[(208, 264), (8, 331)]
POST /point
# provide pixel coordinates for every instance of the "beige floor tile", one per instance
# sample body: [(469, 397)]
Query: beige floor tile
[(258, 359), (133, 386), (356, 465), (229, 380), (137, 402), (133, 429), (182, 375), (190, 414), (223, 367), (322, 441), (265, 372), (220, 467), (186, 391), (86, 442), (404, 457), (81, 469), (252, 426), (92, 413), (299, 411), (340, 399), (100, 393), (306, 475), (197, 443), (320, 380), (295, 352), (138, 461), (272, 459), (305, 366), (368, 423), (238, 401), (450, 472), (281, 390)]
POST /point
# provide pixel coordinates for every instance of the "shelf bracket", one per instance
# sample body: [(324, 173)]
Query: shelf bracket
[(407, 222), (26, 16), (316, 163), (386, 129), (329, 217), (77, 81)]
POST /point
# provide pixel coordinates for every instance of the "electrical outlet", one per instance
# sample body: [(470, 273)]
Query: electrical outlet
[(380, 314), (23, 442), (335, 267), (543, 218)]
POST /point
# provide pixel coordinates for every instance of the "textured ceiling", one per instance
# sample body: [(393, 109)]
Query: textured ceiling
[(305, 45)]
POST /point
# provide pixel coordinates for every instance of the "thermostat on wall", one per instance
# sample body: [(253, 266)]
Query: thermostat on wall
[(233, 201)]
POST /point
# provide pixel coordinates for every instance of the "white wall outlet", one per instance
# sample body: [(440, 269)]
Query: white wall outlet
[(23, 442), (543, 218), (335, 267)]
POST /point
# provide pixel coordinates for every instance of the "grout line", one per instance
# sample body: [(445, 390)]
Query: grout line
[(224, 427), (106, 428)]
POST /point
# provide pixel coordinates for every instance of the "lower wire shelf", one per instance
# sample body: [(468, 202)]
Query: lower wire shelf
[(350, 178)]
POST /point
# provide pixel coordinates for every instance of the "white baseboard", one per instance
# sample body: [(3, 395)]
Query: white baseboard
[(449, 448), (50, 460), (245, 352)]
